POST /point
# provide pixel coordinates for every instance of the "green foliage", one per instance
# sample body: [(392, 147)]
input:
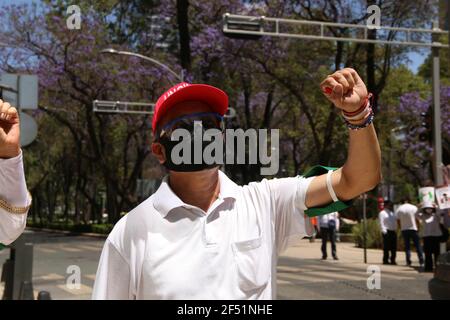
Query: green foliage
[(425, 70), (374, 237), (103, 228), (346, 228)]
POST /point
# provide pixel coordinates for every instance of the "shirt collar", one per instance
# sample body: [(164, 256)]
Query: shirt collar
[(165, 200)]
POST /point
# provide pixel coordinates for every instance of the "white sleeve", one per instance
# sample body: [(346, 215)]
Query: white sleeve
[(338, 223), (381, 220), (13, 190), (288, 198), (112, 281), (320, 220)]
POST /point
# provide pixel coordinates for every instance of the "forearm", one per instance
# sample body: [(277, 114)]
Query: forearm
[(362, 169)]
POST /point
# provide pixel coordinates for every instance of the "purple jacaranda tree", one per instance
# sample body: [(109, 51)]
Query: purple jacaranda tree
[(72, 74), (414, 141)]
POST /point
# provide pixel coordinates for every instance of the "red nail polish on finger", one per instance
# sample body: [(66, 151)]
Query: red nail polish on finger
[(328, 90)]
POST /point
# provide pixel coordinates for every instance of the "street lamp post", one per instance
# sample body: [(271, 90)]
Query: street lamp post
[(179, 77), (113, 106)]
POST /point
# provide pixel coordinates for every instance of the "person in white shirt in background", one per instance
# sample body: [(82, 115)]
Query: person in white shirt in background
[(329, 226), (431, 234), (14, 198), (388, 226), (407, 214)]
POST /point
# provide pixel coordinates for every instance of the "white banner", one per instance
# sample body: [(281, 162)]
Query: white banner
[(443, 197), (426, 196)]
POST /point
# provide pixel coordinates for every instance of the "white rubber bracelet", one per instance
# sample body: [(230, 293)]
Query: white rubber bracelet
[(330, 187)]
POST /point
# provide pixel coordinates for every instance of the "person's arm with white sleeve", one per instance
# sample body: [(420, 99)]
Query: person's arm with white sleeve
[(417, 214), (382, 223), (14, 197), (320, 221), (338, 225)]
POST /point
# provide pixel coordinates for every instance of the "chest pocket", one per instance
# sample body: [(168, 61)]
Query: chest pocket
[(253, 263)]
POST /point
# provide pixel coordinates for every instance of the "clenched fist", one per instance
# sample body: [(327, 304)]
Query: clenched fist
[(345, 89), (9, 131)]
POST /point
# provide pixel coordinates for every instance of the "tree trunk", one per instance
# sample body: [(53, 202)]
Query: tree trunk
[(325, 154), (183, 32), (111, 201)]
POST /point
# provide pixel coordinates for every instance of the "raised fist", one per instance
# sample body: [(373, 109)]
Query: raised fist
[(9, 131), (345, 89)]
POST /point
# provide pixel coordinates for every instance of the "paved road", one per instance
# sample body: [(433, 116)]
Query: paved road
[(301, 274)]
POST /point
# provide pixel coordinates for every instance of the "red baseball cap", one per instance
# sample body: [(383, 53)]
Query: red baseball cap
[(214, 97)]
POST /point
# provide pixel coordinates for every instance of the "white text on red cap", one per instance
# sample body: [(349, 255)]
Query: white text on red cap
[(173, 90)]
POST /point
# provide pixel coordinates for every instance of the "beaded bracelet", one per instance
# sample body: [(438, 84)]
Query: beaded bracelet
[(365, 124)]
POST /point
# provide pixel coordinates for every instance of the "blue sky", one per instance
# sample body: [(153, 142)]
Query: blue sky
[(416, 58)]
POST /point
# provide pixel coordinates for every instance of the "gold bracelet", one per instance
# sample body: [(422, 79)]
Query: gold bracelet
[(16, 210)]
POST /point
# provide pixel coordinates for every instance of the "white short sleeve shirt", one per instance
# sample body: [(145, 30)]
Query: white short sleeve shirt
[(407, 214), (167, 249), (326, 218), (13, 190), (387, 220)]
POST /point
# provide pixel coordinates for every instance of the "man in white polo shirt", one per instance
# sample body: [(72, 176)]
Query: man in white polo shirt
[(388, 226), (200, 235), (14, 199)]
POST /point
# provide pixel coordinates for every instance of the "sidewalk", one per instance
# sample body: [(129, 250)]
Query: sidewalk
[(303, 275)]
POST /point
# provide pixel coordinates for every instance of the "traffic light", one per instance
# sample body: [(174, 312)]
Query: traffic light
[(235, 26), (426, 123)]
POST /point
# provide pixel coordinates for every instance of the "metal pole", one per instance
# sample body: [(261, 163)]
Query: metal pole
[(179, 77), (437, 138), (390, 164), (18, 94), (364, 228)]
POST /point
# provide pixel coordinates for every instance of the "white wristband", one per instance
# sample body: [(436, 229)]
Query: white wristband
[(330, 187)]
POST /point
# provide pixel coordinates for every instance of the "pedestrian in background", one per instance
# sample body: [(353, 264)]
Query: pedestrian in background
[(329, 225), (388, 226), (431, 234), (316, 229), (407, 215)]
